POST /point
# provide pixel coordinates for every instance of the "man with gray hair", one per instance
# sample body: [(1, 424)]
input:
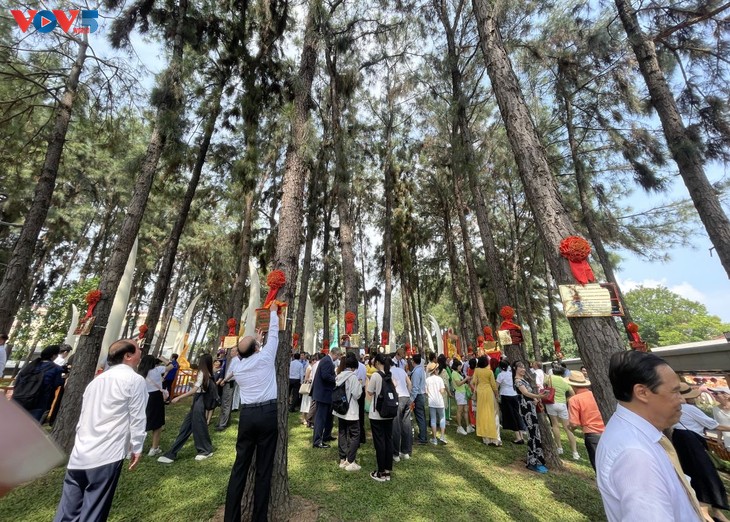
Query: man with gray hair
[(322, 387)]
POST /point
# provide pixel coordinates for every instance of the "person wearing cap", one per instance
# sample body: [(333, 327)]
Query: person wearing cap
[(111, 426), (584, 413), (258, 428), (637, 470), (688, 438)]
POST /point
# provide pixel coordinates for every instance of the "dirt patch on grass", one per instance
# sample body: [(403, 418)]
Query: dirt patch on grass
[(302, 510)]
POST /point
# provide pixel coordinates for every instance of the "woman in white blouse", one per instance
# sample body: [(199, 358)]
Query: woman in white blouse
[(156, 402)]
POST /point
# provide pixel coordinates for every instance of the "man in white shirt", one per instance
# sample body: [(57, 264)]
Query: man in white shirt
[(3, 352), (258, 429), (296, 376), (112, 424), (636, 476)]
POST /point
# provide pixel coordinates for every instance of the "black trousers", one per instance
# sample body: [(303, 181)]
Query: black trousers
[(361, 413), (591, 442), (194, 424), (383, 442), (403, 428), (88, 493), (226, 404), (258, 431), (322, 423), (295, 400), (348, 439)]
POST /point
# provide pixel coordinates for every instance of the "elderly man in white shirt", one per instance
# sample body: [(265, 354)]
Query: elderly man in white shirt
[(111, 425), (258, 428), (638, 473)]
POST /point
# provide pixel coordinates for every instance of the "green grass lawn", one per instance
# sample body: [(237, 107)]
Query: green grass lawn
[(463, 481)]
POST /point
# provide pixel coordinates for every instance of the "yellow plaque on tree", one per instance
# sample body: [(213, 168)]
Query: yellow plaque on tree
[(230, 341)]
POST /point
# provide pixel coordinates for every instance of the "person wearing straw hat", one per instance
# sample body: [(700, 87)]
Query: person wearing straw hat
[(584, 413), (688, 438)]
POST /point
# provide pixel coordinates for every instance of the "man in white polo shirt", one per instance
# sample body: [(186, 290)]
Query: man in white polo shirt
[(258, 429), (112, 424)]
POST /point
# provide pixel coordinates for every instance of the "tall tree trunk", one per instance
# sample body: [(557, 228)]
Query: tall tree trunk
[(456, 290), (288, 247), (22, 255), (478, 311), (106, 220), (365, 298), (388, 246), (313, 201), (168, 259), (89, 347), (342, 183), (235, 305), (685, 150), (551, 308), (597, 338), (169, 311)]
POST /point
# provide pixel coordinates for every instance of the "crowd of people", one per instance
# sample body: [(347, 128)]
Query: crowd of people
[(651, 459), (490, 396)]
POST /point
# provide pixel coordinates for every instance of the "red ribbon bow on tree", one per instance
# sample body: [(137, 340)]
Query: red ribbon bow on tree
[(275, 280), (349, 322), (93, 297), (325, 346), (383, 338), (295, 339), (576, 250), (231, 326), (143, 331), (507, 313), (488, 334)]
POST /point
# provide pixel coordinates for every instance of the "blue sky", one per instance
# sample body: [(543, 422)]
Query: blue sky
[(691, 272)]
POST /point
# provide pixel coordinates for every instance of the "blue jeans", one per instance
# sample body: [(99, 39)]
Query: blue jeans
[(419, 410), (437, 417)]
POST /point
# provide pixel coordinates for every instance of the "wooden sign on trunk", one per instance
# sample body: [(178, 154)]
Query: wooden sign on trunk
[(85, 325), (263, 316)]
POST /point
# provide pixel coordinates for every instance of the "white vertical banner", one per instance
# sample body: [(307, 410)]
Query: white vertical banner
[(119, 307), (72, 339), (435, 330), (254, 299), (179, 344), (309, 339)]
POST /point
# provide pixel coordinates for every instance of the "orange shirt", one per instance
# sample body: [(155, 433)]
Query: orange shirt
[(584, 412)]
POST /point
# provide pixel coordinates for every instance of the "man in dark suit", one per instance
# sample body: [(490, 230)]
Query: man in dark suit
[(322, 387)]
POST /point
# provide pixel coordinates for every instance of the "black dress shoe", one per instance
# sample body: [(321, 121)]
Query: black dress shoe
[(321, 446)]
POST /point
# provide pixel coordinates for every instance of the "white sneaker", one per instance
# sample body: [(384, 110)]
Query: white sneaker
[(203, 456), (396, 458), (405, 456), (560, 451), (343, 463), (470, 429), (442, 440), (435, 442), (154, 451), (576, 455), (460, 430), (352, 466), (165, 460)]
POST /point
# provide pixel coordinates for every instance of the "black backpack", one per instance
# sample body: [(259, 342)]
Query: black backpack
[(29, 385), (387, 403), (340, 400)]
